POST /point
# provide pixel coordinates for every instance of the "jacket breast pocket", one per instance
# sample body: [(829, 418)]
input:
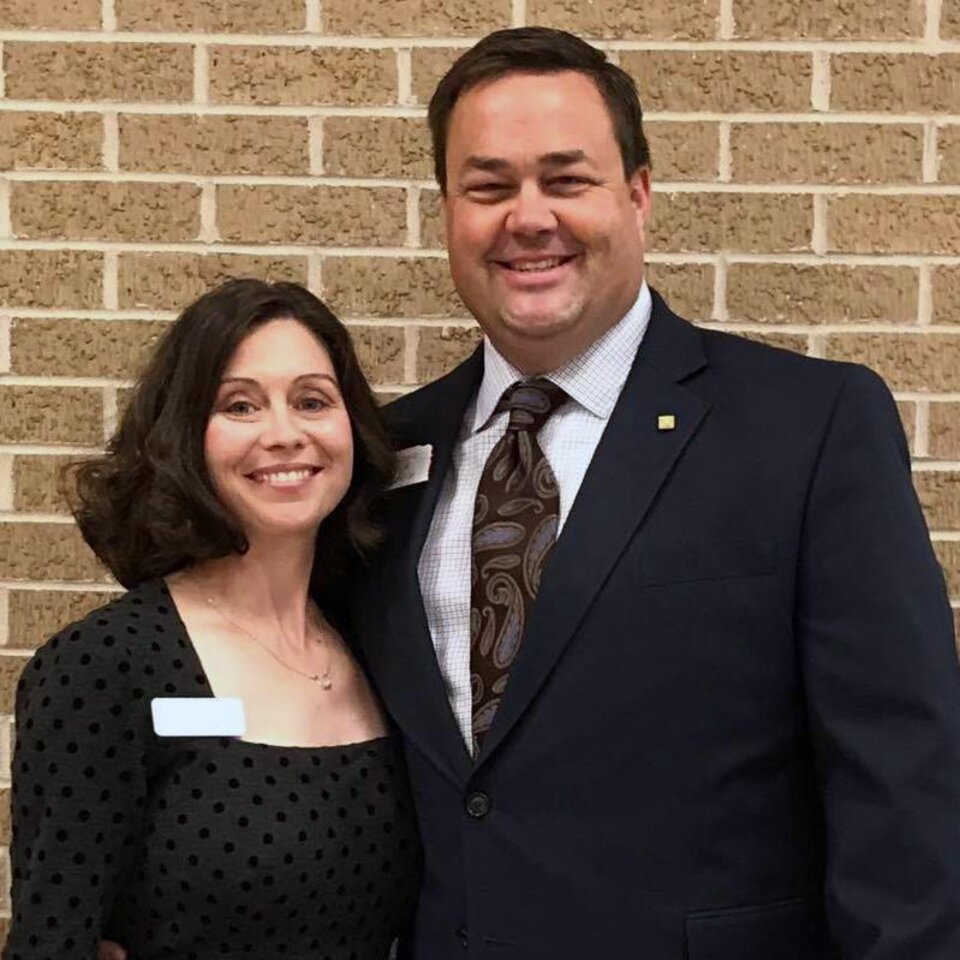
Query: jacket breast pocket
[(677, 563), (794, 929)]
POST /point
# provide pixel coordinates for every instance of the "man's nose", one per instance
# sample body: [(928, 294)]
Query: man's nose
[(532, 212)]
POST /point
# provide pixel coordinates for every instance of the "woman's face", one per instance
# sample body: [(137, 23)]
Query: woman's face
[(278, 445)]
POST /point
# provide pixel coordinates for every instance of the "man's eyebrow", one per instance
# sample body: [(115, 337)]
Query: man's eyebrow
[(488, 164), (556, 158), (562, 158), (250, 381)]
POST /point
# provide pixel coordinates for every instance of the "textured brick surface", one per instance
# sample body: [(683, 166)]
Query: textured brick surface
[(4, 816), (385, 287), (687, 287), (410, 18), (36, 615), (950, 20), (827, 152), (99, 71), (377, 147), (944, 440), (380, 350), (684, 151), (428, 66), (731, 221), (895, 82), (948, 553), (946, 295), (628, 19), (170, 281), (50, 141), (794, 342), (215, 145), (432, 234), (50, 14), (719, 80), (334, 216), (864, 223), (147, 212), (828, 19), (939, 493), (81, 348), (948, 154), (294, 75), (51, 278), (50, 415), (908, 417), (784, 293), (906, 361), (10, 669), (37, 484), (215, 16), (441, 348), (39, 551)]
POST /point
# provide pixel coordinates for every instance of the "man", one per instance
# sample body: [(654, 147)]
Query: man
[(709, 707)]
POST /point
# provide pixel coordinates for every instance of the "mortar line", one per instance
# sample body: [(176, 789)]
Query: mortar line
[(405, 76), (413, 217), (110, 411), (208, 213), (820, 81), (60, 586), (111, 141), (108, 16), (931, 27), (925, 312), (411, 347), (3, 72), (312, 17), (111, 280), (6, 482), (931, 161), (315, 144), (201, 73), (4, 619), (820, 239), (921, 429), (518, 13), (721, 275), (725, 153), (6, 225), (315, 274), (6, 323), (726, 21)]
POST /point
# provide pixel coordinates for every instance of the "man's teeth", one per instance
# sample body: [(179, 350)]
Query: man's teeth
[(531, 266), (285, 476)]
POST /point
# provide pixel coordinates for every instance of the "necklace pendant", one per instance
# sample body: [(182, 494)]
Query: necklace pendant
[(326, 683)]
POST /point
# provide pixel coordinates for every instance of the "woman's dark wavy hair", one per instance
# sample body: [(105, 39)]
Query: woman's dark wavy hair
[(147, 507)]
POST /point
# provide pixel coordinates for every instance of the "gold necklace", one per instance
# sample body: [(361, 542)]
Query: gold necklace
[(324, 679)]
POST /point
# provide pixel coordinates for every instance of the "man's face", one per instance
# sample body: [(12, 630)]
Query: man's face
[(546, 236)]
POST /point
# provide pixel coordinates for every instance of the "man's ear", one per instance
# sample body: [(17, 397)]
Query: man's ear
[(639, 184)]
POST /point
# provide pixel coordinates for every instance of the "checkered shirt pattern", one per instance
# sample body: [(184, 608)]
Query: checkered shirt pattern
[(593, 381)]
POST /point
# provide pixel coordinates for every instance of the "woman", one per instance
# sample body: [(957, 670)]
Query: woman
[(201, 768)]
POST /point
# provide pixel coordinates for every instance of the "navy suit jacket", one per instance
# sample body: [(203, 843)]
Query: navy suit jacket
[(733, 729)]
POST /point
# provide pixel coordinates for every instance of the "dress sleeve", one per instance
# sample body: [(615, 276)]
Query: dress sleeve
[(79, 788)]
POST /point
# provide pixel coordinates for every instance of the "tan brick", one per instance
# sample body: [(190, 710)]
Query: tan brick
[(328, 216), (731, 221), (828, 20), (795, 342), (10, 669), (211, 16), (380, 351), (385, 287), (895, 82), (432, 232), (38, 484), (687, 287), (36, 615), (946, 295), (827, 152), (296, 75), (864, 223), (82, 348), (385, 396), (945, 431), (428, 65), (950, 20), (628, 19), (50, 141), (215, 145), (948, 154), (908, 418), (5, 816), (939, 493), (51, 278), (50, 14), (414, 18), (720, 80), (377, 147), (788, 293), (956, 627), (441, 348), (170, 281), (684, 151), (146, 212), (50, 415), (907, 361), (948, 553), (142, 72), (38, 551)]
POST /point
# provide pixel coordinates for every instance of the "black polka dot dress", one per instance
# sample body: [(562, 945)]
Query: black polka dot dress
[(192, 847)]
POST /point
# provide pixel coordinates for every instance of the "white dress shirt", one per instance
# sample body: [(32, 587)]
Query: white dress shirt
[(593, 382)]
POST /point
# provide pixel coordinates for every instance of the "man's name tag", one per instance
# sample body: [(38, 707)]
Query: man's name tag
[(198, 717), (413, 466)]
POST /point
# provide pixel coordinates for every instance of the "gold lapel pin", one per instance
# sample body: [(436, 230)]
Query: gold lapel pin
[(666, 421)]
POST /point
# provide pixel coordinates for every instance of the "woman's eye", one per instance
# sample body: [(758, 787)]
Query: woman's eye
[(239, 408), (313, 404)]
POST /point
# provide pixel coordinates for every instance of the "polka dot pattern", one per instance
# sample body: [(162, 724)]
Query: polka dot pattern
[(195, 847)]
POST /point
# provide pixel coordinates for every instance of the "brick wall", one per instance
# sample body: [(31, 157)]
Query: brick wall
[(807, 158)]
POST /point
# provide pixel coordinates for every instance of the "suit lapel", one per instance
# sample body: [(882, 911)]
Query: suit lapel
[(630, 465)]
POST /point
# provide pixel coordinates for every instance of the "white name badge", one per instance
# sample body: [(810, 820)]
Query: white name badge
[(413, 466), (198, 717)]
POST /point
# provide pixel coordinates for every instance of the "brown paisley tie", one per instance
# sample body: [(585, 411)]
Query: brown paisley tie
[(514, 529)]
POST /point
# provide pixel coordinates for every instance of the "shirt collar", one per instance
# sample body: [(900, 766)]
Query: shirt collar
[(593, 379)]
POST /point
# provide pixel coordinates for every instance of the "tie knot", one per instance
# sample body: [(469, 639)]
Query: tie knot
[(531, 403)]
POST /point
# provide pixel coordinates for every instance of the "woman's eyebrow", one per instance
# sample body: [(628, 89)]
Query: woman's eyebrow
[(303, 376)]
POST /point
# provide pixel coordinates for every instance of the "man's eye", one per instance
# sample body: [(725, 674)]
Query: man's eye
[(487, 188), (568, 181)]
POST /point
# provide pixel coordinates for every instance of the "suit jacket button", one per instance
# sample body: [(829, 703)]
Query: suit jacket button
[(463, 937), (478, 805)]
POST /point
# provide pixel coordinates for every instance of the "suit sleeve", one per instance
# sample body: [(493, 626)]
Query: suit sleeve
[(78, 794), (875, 636)]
